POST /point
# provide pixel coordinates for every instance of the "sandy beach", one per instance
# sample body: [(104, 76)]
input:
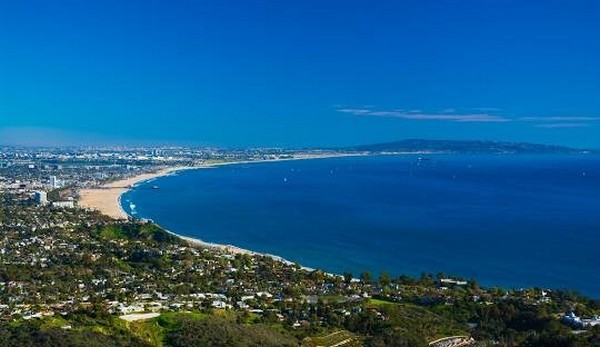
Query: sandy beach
[(106, 198)]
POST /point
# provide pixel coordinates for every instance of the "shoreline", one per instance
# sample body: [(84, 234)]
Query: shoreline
[(231, 249), (107, 200)]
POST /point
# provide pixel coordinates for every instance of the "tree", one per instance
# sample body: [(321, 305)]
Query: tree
[(348, 277), (384, 279), (366, 277), (473, 285), (1, 208), (405, 280)]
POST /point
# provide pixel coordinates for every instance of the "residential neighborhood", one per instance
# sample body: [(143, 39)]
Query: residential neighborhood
[(57, 260)]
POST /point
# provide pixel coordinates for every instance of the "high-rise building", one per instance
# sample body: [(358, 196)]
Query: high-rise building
[(41, 198), (54, 182)]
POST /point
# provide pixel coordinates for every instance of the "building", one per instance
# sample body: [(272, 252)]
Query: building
[(41, 198), (453, 281), (573, 320), (64, 204), (54, 182), (99, 175)]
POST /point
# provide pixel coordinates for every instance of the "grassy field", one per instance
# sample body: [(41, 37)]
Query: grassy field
[(154, 330), (377, 302)]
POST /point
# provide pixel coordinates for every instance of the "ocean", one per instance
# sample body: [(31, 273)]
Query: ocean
[(507, 220)]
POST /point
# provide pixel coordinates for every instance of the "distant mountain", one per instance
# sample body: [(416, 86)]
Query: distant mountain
[(449, 146)]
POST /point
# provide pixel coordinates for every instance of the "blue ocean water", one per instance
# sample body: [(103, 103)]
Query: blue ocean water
[(510, 221)]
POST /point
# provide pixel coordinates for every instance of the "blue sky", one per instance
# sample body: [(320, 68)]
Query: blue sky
[(298, 73)]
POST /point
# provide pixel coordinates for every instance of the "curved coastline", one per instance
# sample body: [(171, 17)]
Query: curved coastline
[(229, 245), (107, 200), (107, 197), (231, 249)]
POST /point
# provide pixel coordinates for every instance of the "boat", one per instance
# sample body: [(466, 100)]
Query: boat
[(155, 187)]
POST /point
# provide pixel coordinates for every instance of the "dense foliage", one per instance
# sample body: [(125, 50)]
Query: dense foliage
[(89, 330), (221, 332), (67, 274)]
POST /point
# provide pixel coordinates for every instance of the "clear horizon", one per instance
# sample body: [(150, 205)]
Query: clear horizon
[(149, 145), (298, 74)]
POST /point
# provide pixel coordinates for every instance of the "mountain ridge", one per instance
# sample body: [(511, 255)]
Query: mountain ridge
[(466, 146)]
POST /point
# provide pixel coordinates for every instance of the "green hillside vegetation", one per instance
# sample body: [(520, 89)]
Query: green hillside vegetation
[(413, 319), (170, 330), (66, 275), (224, 328), (218, 331), (135, 231), (112, 232), (336, 338), (82, 329)]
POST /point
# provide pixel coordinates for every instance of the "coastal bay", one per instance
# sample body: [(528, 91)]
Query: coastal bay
[(487, 217), (107, 198)]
